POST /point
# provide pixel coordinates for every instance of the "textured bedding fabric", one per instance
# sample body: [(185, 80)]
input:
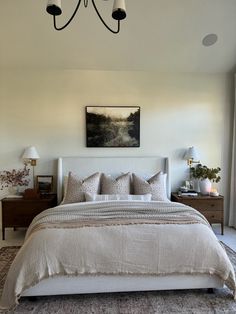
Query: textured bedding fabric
[(156, 185), (75, 187), (116, 237), (119, 185), (89, 197)]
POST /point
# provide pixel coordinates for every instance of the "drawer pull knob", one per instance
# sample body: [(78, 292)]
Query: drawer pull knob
[(212, 205)]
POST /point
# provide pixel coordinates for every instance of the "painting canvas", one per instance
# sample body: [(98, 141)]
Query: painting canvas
[(116, 126)]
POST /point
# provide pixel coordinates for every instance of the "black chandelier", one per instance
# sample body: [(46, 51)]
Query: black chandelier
[(118, 13)]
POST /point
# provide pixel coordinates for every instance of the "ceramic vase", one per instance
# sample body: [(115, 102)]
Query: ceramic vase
[(205, 186), (13, 190)]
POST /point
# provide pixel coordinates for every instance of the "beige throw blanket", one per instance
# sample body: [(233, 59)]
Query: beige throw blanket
[(116, 237)]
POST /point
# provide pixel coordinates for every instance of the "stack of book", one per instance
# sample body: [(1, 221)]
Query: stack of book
[(188, 193)]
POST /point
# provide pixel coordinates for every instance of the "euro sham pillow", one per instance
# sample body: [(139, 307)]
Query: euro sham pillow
[(76, 188), (156, 185), (119, 185), (117, 197)]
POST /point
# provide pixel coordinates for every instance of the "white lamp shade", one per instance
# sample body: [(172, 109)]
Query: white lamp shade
[(191, 153), (30, 153)]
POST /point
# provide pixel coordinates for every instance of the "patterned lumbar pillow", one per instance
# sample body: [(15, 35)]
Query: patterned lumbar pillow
[(156, 185), (117, 197), (76, 187), (119, 185)]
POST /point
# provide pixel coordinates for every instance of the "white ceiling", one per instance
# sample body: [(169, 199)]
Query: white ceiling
[(159, 35)]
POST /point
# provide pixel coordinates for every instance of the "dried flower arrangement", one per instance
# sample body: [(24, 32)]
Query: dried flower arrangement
[(14, 178)]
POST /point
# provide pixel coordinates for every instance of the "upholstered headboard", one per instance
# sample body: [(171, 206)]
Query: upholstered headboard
[(85, 166)]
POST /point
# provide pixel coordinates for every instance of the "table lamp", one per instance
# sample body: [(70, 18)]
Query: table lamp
[(30, 156), (192, 156)]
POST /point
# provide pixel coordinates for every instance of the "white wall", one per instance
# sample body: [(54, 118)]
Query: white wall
[(47, 109)]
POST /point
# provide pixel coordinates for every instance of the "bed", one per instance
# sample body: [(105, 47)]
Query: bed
[(109, 265)]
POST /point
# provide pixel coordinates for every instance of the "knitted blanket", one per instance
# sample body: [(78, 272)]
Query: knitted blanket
[(116, 237)]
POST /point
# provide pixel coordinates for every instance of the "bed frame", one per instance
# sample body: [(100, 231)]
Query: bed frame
[(145, 166)]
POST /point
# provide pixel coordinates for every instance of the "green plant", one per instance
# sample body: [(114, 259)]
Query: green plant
[(203, 172)]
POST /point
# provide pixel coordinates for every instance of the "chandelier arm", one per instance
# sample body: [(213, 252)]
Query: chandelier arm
[(71, 18), (104, 23)]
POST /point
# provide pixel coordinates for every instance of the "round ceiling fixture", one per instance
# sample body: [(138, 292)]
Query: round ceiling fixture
[(209, 40)]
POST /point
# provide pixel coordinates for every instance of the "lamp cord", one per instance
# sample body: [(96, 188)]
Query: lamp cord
[(74, 13)]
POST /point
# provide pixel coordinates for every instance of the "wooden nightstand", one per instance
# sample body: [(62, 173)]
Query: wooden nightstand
[(19, 212), (212, 207)]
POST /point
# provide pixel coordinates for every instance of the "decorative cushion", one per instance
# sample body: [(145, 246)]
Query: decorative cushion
[(156, 185), (113, 197), (120, 185), (76, 187)]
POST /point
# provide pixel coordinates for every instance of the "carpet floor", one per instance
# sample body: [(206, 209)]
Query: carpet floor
[(158, 302)]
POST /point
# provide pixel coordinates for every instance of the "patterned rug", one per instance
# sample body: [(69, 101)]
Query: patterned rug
[(158, 302)]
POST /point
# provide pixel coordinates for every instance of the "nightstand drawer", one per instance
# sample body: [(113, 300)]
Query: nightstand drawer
[(19, 212), (211, 207), (213, 216), (204, 205)]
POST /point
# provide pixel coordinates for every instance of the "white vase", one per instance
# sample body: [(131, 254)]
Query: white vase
[(205, 186), (13, 190), (196, 185)]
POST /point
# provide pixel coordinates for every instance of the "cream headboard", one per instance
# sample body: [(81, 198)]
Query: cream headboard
[(85, 166)]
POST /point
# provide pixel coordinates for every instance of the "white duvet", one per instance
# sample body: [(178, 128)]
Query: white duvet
[(116, 237)]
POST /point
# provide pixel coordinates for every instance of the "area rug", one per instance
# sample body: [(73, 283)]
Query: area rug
[(154, 302)]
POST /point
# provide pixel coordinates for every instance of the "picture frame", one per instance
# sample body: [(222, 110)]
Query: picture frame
[(44, 184), (112, 126)]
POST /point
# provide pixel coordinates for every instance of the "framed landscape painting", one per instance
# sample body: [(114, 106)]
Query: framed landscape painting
[(44, 184), (112, 126)]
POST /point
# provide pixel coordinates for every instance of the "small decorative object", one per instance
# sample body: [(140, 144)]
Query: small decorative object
[(30, 194), (44, 184), (184, 189), (14, 179), (214, 192), (117, 126), (188, 185), (206, 176)]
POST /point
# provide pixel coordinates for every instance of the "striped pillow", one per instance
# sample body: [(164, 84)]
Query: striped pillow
[(117, 197)]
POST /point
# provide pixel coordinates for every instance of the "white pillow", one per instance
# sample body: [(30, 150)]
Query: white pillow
[(156, 185), (115, 197), (76, 187), (119, 185)]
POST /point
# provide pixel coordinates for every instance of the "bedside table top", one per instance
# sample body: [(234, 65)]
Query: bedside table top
[(198, 197), (44, 197)]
